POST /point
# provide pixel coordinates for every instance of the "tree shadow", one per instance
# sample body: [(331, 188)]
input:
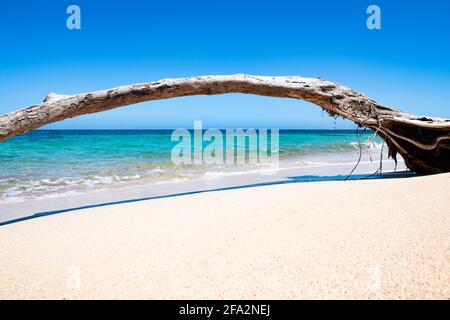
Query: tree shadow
[(293, 179)]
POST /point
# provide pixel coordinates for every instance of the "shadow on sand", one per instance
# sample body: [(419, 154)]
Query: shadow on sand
[(297, 179)]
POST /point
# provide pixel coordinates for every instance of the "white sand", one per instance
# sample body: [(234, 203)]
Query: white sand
[(355, 239)]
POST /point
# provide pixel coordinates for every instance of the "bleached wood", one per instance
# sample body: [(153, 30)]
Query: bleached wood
[(422, 141)]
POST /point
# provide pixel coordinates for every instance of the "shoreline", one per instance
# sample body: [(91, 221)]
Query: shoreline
[(53, 164), (362, 239), (20, 210)]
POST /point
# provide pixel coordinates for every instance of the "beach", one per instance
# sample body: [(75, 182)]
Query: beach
[(225, 155), (363, 239), (53, 170), (51, 164)]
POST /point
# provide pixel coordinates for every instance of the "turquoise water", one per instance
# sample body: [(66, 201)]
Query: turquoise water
[(47, 163)]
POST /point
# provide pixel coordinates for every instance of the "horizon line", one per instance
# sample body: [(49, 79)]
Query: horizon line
[(155, 129)]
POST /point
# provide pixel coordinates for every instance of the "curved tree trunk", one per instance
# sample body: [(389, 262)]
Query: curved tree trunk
[(423, 142)]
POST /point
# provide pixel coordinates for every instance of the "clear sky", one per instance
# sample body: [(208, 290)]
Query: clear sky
[(405, 64)]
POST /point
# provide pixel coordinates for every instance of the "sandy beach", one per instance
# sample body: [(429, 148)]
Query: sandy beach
[(375, 239)]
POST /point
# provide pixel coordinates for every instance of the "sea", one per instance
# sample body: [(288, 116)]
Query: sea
[(45, 164)]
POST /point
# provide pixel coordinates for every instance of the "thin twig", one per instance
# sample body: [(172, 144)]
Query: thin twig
[(360, 154)]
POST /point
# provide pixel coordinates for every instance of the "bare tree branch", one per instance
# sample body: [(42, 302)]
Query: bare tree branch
[(423, 142)]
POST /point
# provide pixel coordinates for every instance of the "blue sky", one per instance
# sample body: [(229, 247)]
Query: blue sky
[(405, 64)]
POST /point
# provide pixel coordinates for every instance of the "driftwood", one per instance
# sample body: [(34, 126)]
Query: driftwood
[(423, 142)]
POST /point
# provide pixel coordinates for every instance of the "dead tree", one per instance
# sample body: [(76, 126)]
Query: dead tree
[(423, 142)]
